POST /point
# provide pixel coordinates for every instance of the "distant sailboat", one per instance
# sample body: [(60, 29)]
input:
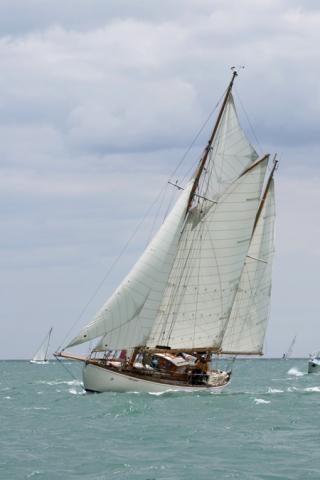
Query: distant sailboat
[(202, 287), (41, 356), (288, 353)]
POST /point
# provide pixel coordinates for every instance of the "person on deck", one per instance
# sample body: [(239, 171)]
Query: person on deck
[(199, 374)]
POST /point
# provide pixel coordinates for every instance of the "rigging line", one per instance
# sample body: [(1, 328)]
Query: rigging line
[(67, 370), (175, 296), (248, 120), (197, 136)]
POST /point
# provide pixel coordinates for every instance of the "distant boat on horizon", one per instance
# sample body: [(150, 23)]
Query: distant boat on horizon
[(41, 356), (288, 353)]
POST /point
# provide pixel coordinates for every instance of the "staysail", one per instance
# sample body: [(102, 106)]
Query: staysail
[(127, 317)]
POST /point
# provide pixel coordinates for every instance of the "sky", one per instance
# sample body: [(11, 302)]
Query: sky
[(100, 101)]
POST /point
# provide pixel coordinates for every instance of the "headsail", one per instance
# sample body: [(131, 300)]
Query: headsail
[(127, 317)]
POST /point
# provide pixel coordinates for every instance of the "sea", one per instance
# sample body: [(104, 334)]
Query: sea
[(264, 425)]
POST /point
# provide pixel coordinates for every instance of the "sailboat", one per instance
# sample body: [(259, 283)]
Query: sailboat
[(41, 356), (314, 363), (202, 286), (288, 353)]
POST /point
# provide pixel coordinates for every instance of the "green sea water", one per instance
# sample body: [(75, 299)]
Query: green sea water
[(265, 425)]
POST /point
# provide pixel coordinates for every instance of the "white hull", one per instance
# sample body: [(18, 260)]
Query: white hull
[(314, 365), (98, 379)]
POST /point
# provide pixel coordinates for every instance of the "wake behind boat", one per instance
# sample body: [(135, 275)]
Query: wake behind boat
[(41, 356), (202, 287)]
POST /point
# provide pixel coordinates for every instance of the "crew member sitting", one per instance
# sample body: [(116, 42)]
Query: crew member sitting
[(199, 373)]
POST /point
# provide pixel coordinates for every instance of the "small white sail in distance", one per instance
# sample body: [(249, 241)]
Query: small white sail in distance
[(41, 356), (288, 353)]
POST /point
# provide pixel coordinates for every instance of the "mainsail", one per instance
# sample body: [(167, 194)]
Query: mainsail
[(247, 325), (204, 281)]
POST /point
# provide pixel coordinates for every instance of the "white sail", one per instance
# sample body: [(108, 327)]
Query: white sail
[(246, 328), (288, 353), (204, 279), (41, 356), (127, 317), (230, 154)]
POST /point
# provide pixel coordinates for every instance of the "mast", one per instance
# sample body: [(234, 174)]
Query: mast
[(265, 193), (208, 147)]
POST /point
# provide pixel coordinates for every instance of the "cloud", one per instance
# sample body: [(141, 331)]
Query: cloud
[(98, 104)]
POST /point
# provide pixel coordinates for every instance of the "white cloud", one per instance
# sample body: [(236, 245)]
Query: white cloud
[(98, 104)]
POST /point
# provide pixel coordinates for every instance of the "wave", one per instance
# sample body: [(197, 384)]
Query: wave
[(274, 390), (312, 389), (260, 401), (60, 382), (296, 372), (74, 391)]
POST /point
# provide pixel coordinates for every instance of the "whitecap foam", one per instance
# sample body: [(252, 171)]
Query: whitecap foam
[(291, 389), (33, 474), (312, 389), (261, 401), (295, 372), (274, 390), (60, 382), (74, 391)]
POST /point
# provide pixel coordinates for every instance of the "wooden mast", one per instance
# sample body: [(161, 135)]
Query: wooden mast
[(208, 147), (265, 193)]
